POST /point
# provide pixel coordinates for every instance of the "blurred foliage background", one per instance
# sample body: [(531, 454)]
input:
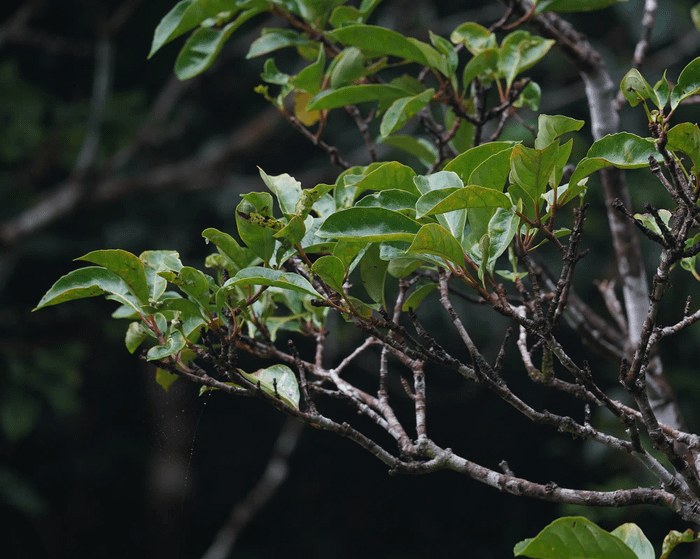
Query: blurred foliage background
[(104, 149)]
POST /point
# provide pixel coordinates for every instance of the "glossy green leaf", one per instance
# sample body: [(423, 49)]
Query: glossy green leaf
[(434, 239), (685, 137), (271, 278), (316, 12), (622, 150), (205, 44), (420, 293), (574, 537), (437, 202), (437, 181), (348, 66), (532, 169), (126, 265), (420, 148), (136, 333), (175, 342), (688, 83), (634, 538), (373, 274), (483, 66), (573, 5), (354, 94), (286, 189), (474, 36), (271, 73), (663, 91), (228, 246), (90, 281), (347, 250), (493, 172), (402, 110), (380, 41), (346, 15), (274, 39), (445, 48), (192, 282), (331, 270), (180, 19), (251, 213), (294, 231), (551, 127), (390, 175), (501, 229), (442, 181), (392, 199), (520, 51), (369, 224), (465, 163), (278, 381)]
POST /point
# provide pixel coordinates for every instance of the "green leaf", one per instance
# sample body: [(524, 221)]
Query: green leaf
[(251, 214), (228, 246), (532, 169), (474, 36), (271, 278), (390, 175), (685, 137), (180, 19), (126, 265), (663, 91), (465, 163), (331, 270), (175, 342), (274, 39), (622, 150), (439, 202), (310, 78), (632, 535), (279, 381), (286, 189), (294, 231), (573, 5), (574, 537), (379, 41), (549, 128), (434, 239), (420, 148), (135, 334), (530, 97), (192, 282), (501, 229), (348, 66), (483, 66), (354, 94), (635, 88), (442, 181), (373, 274), (90, 281), (155, 261), (205, 44), (402, 110), (688, 83), (493, 172), (520, 51), (415, 298), (393, 199), (271, 73), (369, 224)]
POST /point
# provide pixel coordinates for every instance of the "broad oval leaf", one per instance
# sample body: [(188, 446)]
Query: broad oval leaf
[(90, 281), (635, 539), (354, 94), (520, 51), (465, 163), (390, 175), (415, 298), (251, 213), (551, 127), (685, 137), (474, 36), (229, 247), (484, 66), (369, 224), (273, 39), (532, 169), (331, 270), (441, 201), (635, 88), (126, 265), (286, 189), (271, 278), (278, 381), (135, 334), (392, 199), (402, 110), (434, 239), (173, 344), (574, 537), (177, 21)]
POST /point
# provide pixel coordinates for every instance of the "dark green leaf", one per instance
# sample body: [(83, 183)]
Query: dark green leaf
[(465, 163), (483, 66), (369, 224), (354, 94), (310, 78), (532, 169), (436, 240), (493, 172), (373, 274), (573, 5), (402, 110), (392, 199), (175, 342), (126, 265), (251, 213), (423, 150), (520, 51), (635, 88), (415, 298), (205, 44), (685, 137), (348, 66), (331, 270), (663, 91), (193, 282), (271, 278), (574, 537), (180, 19), (228, 246), (391, 175), (274, 39), (688, 83), (439, 202)]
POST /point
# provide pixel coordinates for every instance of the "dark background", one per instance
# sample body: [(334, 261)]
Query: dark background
[(96, 460)]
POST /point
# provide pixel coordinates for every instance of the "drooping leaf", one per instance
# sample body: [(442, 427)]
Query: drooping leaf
[(175, 342), (415, 298), (380, 41), (354, 94), (278, 381), (493, 172), (126, 265), (483, 66), (310, 78), (271, 278), (373, 274), (688, 83), (90, 281), (205, 44), (574, 537), (369, 224), (474, 36), (551, 127), (348, 66), (228, 246), (135, 334), (165, 379), (501, 229), (663, 91), (402, 110), (434, 239)]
